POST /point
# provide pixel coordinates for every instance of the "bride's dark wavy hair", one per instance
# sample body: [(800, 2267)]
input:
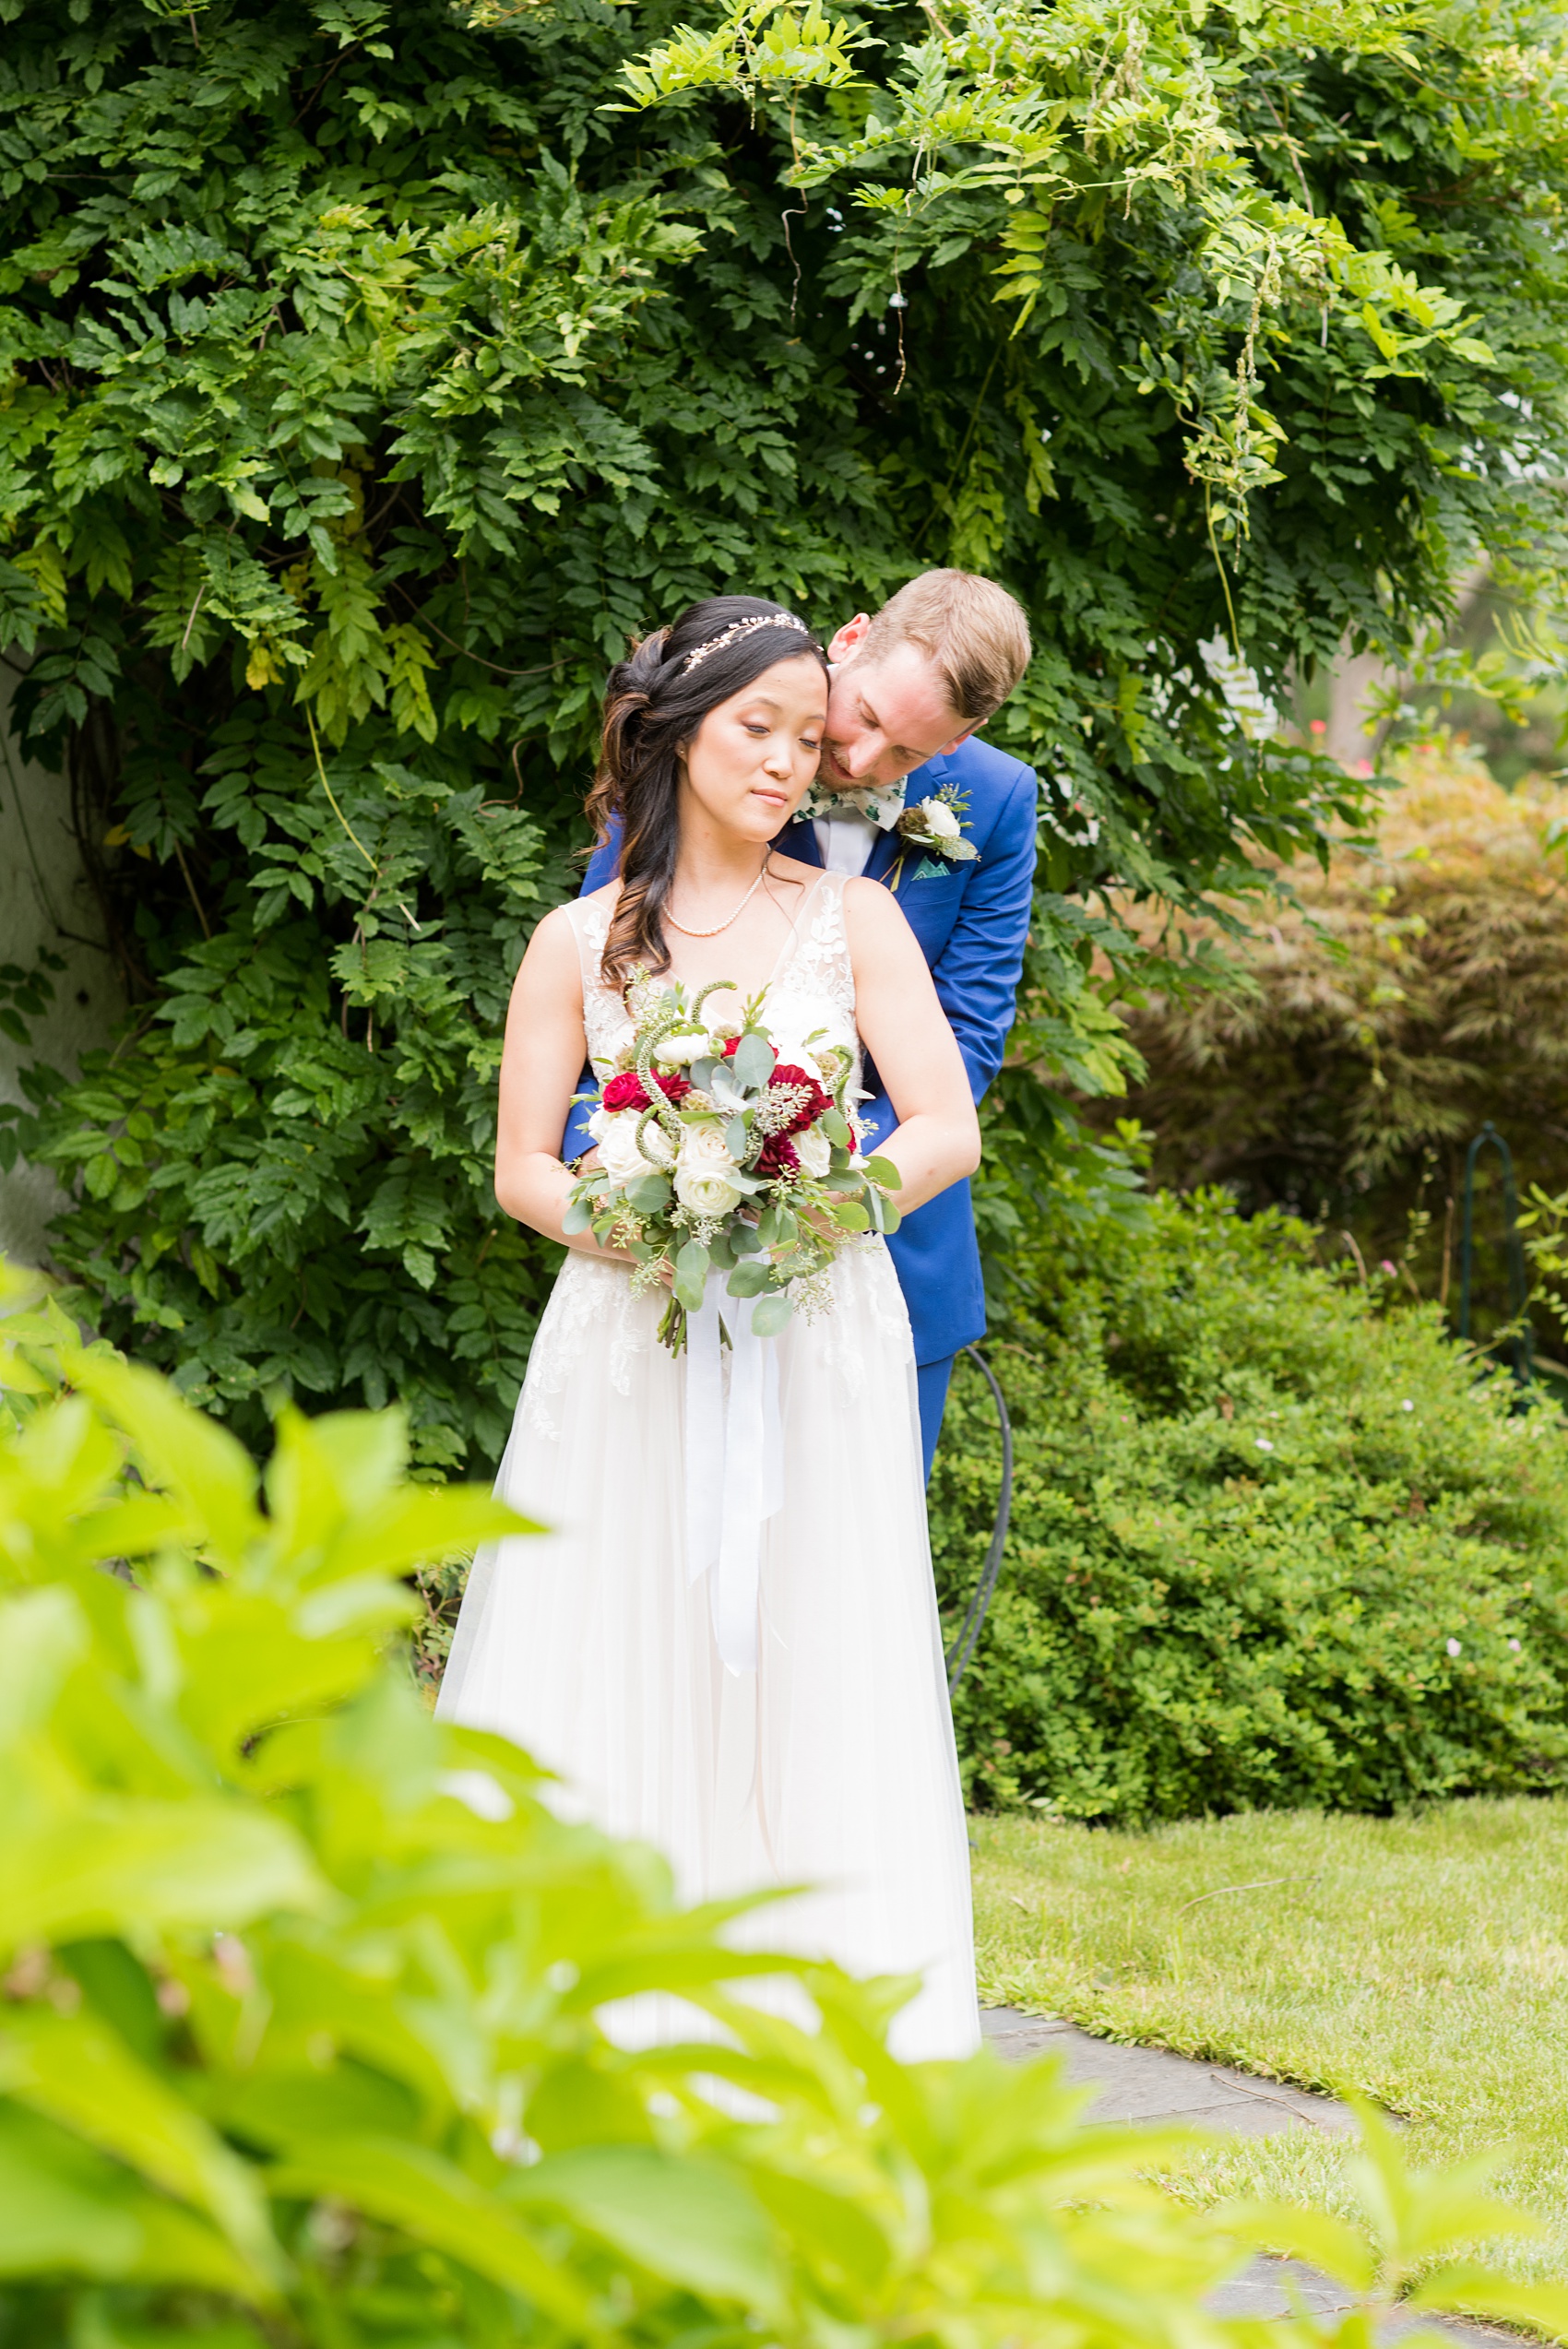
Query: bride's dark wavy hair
[(654, 704)]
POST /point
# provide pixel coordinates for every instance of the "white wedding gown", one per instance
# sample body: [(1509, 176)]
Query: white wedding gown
[(832, 1765)]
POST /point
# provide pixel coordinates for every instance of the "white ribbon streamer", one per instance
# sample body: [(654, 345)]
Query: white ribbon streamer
[(734, 1466)]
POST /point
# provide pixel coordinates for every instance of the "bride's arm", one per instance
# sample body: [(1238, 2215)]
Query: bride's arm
[(541, 1063), (936, 1141)]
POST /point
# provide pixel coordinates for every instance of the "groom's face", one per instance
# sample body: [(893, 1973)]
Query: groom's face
[(884, 715)]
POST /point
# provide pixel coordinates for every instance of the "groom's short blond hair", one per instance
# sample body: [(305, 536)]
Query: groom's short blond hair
[(973, 632)]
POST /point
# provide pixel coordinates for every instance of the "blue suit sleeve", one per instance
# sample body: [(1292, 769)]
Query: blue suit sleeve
[(604, 860), (978, 971)]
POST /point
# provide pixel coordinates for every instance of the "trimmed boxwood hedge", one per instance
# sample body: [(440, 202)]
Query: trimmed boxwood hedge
[(1275, 1540)]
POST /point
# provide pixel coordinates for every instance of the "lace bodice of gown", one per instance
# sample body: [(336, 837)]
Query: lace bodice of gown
[(809, 995)]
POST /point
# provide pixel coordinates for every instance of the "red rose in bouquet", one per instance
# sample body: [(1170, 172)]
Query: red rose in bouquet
[(626, 1092)]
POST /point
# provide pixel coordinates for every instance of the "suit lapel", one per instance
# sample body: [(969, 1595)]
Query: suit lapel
[(798, 840)]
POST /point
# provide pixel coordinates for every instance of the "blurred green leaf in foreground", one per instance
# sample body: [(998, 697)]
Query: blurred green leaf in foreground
[(302, 2031)]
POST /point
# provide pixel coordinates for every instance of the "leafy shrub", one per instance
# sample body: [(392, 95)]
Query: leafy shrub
[(1269, 1545), (1402, 999)]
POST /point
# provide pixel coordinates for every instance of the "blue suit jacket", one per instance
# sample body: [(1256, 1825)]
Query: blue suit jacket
[(972, 921)]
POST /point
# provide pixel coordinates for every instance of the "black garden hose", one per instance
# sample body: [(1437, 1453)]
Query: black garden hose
[(958, 1655)]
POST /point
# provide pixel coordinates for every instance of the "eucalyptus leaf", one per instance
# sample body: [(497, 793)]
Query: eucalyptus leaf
[(771, 1315), (751, 1277), (744, 1239), (736, 1139), (883, 1171), (650, 1194), (753, 1059), (851, 1215), (579, 1215), (776, 1228), (836, 1127), (691, 1274)]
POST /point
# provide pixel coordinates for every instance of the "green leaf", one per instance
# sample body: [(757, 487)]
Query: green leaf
[(1469, 2290), (828, 2227), (851, 1215), (777, 1227), (110, 1862), (883, 1171), (79, 2072), (60, 2207), (836, 1128), (181, 1451), (687, 2219), (751, 1278), (771, 1315), (737, 1138), (579, 1215), (410, 2186), (1340, 2250), (650, 1194), (691, 1274), (42, 1635), (753, 1060)]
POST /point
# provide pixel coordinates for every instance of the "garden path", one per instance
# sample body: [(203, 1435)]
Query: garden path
[(1150, 2084)]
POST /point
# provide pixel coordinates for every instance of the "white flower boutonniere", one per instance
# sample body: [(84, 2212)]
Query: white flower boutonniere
[(936, 826)]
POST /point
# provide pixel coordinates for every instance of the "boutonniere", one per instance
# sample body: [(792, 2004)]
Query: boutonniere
[(935, 826)]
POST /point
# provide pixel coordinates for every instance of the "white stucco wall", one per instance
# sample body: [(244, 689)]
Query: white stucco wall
[(43, 897)]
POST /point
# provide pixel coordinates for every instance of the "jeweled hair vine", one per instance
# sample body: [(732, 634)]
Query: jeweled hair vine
[(654, 702)]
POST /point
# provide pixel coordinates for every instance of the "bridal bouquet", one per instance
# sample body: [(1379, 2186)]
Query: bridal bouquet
[(716, 1154)]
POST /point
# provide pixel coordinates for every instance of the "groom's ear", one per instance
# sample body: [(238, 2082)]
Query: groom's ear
[(850, 638)]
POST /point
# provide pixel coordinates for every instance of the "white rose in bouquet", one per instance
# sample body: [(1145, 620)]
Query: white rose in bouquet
[(814, 1151), (616, 1134), (703, 1169), (941, 822), (678, 1051)]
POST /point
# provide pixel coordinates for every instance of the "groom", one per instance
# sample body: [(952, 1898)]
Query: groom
[(907, 795)]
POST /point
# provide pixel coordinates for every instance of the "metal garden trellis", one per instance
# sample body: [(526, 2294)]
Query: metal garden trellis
[(1519, 1294)]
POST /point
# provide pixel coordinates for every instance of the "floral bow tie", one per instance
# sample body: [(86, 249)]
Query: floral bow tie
[(882, 805)]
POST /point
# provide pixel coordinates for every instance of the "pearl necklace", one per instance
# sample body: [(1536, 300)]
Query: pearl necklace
[(665, 914)]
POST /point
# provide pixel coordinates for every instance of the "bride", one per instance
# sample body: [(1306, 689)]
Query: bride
[(830, 1763)]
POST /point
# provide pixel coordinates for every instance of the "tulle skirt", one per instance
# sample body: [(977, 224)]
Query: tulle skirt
[(833, 1764)]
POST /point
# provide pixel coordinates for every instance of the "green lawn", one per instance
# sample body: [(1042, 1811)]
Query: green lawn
[(1421, 1960)]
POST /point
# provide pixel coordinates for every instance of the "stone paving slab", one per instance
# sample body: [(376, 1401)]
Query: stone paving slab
[(1149, 2084)]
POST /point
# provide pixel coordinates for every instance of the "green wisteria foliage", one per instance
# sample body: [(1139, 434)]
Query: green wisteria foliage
[(372, 369)]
